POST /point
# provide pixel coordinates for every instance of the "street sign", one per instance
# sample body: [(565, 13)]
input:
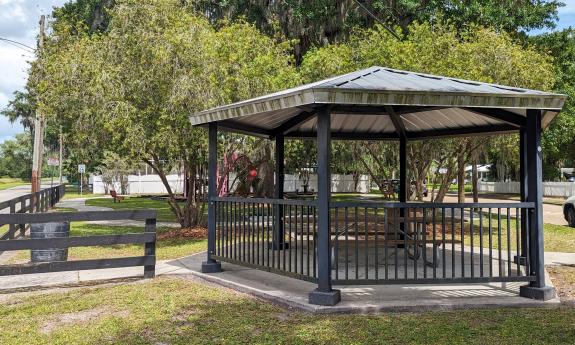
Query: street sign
[(53, 161), (81, 168)]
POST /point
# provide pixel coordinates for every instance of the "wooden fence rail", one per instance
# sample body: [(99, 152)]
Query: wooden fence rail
[(40, 201), (148, 238)]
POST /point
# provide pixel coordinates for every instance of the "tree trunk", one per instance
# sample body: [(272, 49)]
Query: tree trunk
[(474, 180), (460, 176)]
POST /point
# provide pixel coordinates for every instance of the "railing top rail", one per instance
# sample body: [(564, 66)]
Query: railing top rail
[(23, 218), (297, 202), (379, 204)]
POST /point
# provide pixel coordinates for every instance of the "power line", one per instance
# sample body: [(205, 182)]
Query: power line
[(18, 44), (378, 20)]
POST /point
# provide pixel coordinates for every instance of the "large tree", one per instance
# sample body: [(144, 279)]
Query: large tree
[(131, 90), (478, 54), (318, 22)]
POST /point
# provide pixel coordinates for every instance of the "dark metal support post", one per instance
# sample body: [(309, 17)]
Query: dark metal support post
[(524, 188), (211, 265), (536, 289), (324, 294), (278, 236)]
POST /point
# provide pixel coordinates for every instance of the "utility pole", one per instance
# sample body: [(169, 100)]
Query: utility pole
[(39, 124), (61, 156)]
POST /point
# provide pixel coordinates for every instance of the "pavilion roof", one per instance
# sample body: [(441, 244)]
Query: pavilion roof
[(380, 102)]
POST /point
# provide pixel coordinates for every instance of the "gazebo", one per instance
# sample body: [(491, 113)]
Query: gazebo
[(364, 242)]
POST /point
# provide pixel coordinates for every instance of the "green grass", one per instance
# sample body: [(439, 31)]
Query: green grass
[(558, 238), (72, 192), (178, 311), (165, 214), (8, 182), (171, 248)]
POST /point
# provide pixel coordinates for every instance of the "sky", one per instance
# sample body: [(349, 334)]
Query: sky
[(19, 22)]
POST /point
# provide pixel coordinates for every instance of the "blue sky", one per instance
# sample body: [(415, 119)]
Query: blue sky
[(19, 22)]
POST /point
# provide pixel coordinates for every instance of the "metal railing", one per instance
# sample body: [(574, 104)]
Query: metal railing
[(148, 238), (377, 243), (40, 201)]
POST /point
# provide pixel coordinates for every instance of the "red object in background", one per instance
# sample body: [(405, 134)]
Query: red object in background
[(253, 172)]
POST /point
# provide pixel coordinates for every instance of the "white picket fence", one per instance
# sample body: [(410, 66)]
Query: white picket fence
[(557, 189), (151, 184)]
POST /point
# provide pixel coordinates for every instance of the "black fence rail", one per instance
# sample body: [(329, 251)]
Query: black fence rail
[(378, 243), (428, 243), (148, 238), (248, 233), (37, 202)]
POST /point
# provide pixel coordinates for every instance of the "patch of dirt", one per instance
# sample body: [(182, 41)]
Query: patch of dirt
[(70, 319), (563, 277), (197, 233)]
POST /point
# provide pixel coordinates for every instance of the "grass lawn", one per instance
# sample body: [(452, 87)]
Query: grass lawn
[(165, 214), (558, 238), (72, 192), (179, 311), (166, 248)]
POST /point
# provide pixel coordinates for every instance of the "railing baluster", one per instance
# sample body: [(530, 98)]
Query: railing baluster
[(395, 238), (405, 244), (336, 245), (376, 256), (314, 242), (508, 242), (385, 242), (356, 240), (471, 233), (366, 225), (416, 242), (443, 242), (490, 244), (424, 247), (481, 242), (307, 241), (346, 216), (434, 245), (452, 242), (462, 218), (301, 262), (499, 241), (517, 241), (290, 238)]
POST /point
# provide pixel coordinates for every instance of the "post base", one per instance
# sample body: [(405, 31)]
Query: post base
[(543, 293), (211, 267), (278, 246), (327, 298), (522, 260)]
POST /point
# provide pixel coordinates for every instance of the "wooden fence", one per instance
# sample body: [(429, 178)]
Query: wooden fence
[(148, 238), (37, 202)]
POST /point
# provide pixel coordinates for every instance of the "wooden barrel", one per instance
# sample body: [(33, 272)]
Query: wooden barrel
[(49, 230)]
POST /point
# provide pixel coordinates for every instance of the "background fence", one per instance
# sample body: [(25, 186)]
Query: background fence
[(151, 184), (552, 189)]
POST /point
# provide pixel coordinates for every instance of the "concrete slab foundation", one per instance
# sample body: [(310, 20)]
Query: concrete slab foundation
[(294, 293)]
